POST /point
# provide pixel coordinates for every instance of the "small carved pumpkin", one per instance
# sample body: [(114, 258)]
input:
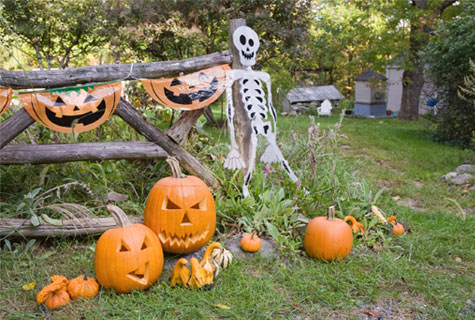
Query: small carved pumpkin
[(129, 257), (328, 238), (83, 286), (73, 110), (5, 99), (251, 242), (181, 211), (192, 91)]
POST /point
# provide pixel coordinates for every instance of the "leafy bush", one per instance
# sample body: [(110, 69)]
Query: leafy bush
[(448, 57)]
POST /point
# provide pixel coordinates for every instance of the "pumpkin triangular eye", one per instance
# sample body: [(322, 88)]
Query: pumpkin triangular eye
[(90, 98), (124, 247), (59, 102), (175, 82), (199, 205), (172, 205), (144, 245)]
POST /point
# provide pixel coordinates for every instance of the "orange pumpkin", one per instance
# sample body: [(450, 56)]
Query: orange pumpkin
[(328, 238), (181, 211), (129, 257), (5, 99), (83, 286), (74, 109), (398, 229), (54, 295), (251, 242), (192, 91)]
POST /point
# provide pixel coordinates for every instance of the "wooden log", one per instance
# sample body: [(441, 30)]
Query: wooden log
[(56, 153), (78, 227), (111, 72), (181, 128), (137, 121), (242, 125), (14, 125)]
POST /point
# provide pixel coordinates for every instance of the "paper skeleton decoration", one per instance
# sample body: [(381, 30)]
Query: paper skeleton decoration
[(260, 111)]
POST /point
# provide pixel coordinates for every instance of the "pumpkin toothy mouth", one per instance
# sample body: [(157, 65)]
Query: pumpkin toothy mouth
[(139, 277), (181, 241), (188, 98), (84, 119)]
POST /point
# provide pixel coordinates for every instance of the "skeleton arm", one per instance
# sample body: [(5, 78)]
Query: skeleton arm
[(233, 160), (266, 78)]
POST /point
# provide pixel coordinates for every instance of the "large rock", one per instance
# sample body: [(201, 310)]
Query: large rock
[(450, 175), (465, 168), (463, 178), (267, 250)]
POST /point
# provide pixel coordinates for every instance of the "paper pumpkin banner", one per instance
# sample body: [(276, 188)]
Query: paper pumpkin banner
[(5, 99), (192, 91), (73, 109)]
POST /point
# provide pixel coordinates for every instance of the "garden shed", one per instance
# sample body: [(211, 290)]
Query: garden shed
[(300, 99), (370, 95)]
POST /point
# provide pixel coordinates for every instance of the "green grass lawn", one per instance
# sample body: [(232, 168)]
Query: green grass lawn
[(428, 273)]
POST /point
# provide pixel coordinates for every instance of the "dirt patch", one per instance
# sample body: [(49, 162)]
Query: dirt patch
[(412, 203)]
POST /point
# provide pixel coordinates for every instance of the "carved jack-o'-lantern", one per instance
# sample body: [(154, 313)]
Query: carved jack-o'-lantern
[(181, 211), (192, 91), (129, 257), (75, 109), (5, 99)]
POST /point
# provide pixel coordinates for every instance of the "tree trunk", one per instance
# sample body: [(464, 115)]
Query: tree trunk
[(411, 91), (242, 125)]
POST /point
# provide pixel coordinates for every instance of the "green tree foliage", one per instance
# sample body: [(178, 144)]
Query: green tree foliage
[(448, 56), (51, 32)]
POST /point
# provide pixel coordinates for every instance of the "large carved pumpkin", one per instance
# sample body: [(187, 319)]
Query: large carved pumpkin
[(75, 109), (129, 257), (5, 99), (192, 91), (181, 211)]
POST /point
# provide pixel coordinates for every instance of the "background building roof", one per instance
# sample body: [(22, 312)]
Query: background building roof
[(317, 93), (365, 76)]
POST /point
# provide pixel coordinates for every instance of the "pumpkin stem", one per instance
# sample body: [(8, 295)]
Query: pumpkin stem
[(331, 213), (119, 215), (85, 275), (175, 166)]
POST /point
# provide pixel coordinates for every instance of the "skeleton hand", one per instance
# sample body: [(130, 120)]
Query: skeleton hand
[(234, 161)]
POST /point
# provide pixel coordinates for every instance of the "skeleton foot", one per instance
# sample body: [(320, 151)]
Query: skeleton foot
[(234, 161), (271, 154)]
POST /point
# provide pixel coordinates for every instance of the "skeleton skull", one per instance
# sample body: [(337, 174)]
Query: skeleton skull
[(247, 42)]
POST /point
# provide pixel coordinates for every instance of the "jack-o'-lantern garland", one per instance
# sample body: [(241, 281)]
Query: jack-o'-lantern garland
[(73, 109), (5, 99), (192, 91)]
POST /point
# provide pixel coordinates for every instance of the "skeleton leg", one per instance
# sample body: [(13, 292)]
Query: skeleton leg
[(273, 154), (252, 162)]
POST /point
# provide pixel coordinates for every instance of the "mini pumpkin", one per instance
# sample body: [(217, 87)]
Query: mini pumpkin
[(74, 109), (83, 286), (181, 211), (355, 225), (5, 99), (398, 228), (192, 91), (54, 295), (328, 238), (129, 257), (250, 242)]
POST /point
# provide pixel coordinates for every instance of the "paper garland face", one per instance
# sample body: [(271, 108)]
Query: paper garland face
[(5, 99), (73, 110), (192, 91)]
